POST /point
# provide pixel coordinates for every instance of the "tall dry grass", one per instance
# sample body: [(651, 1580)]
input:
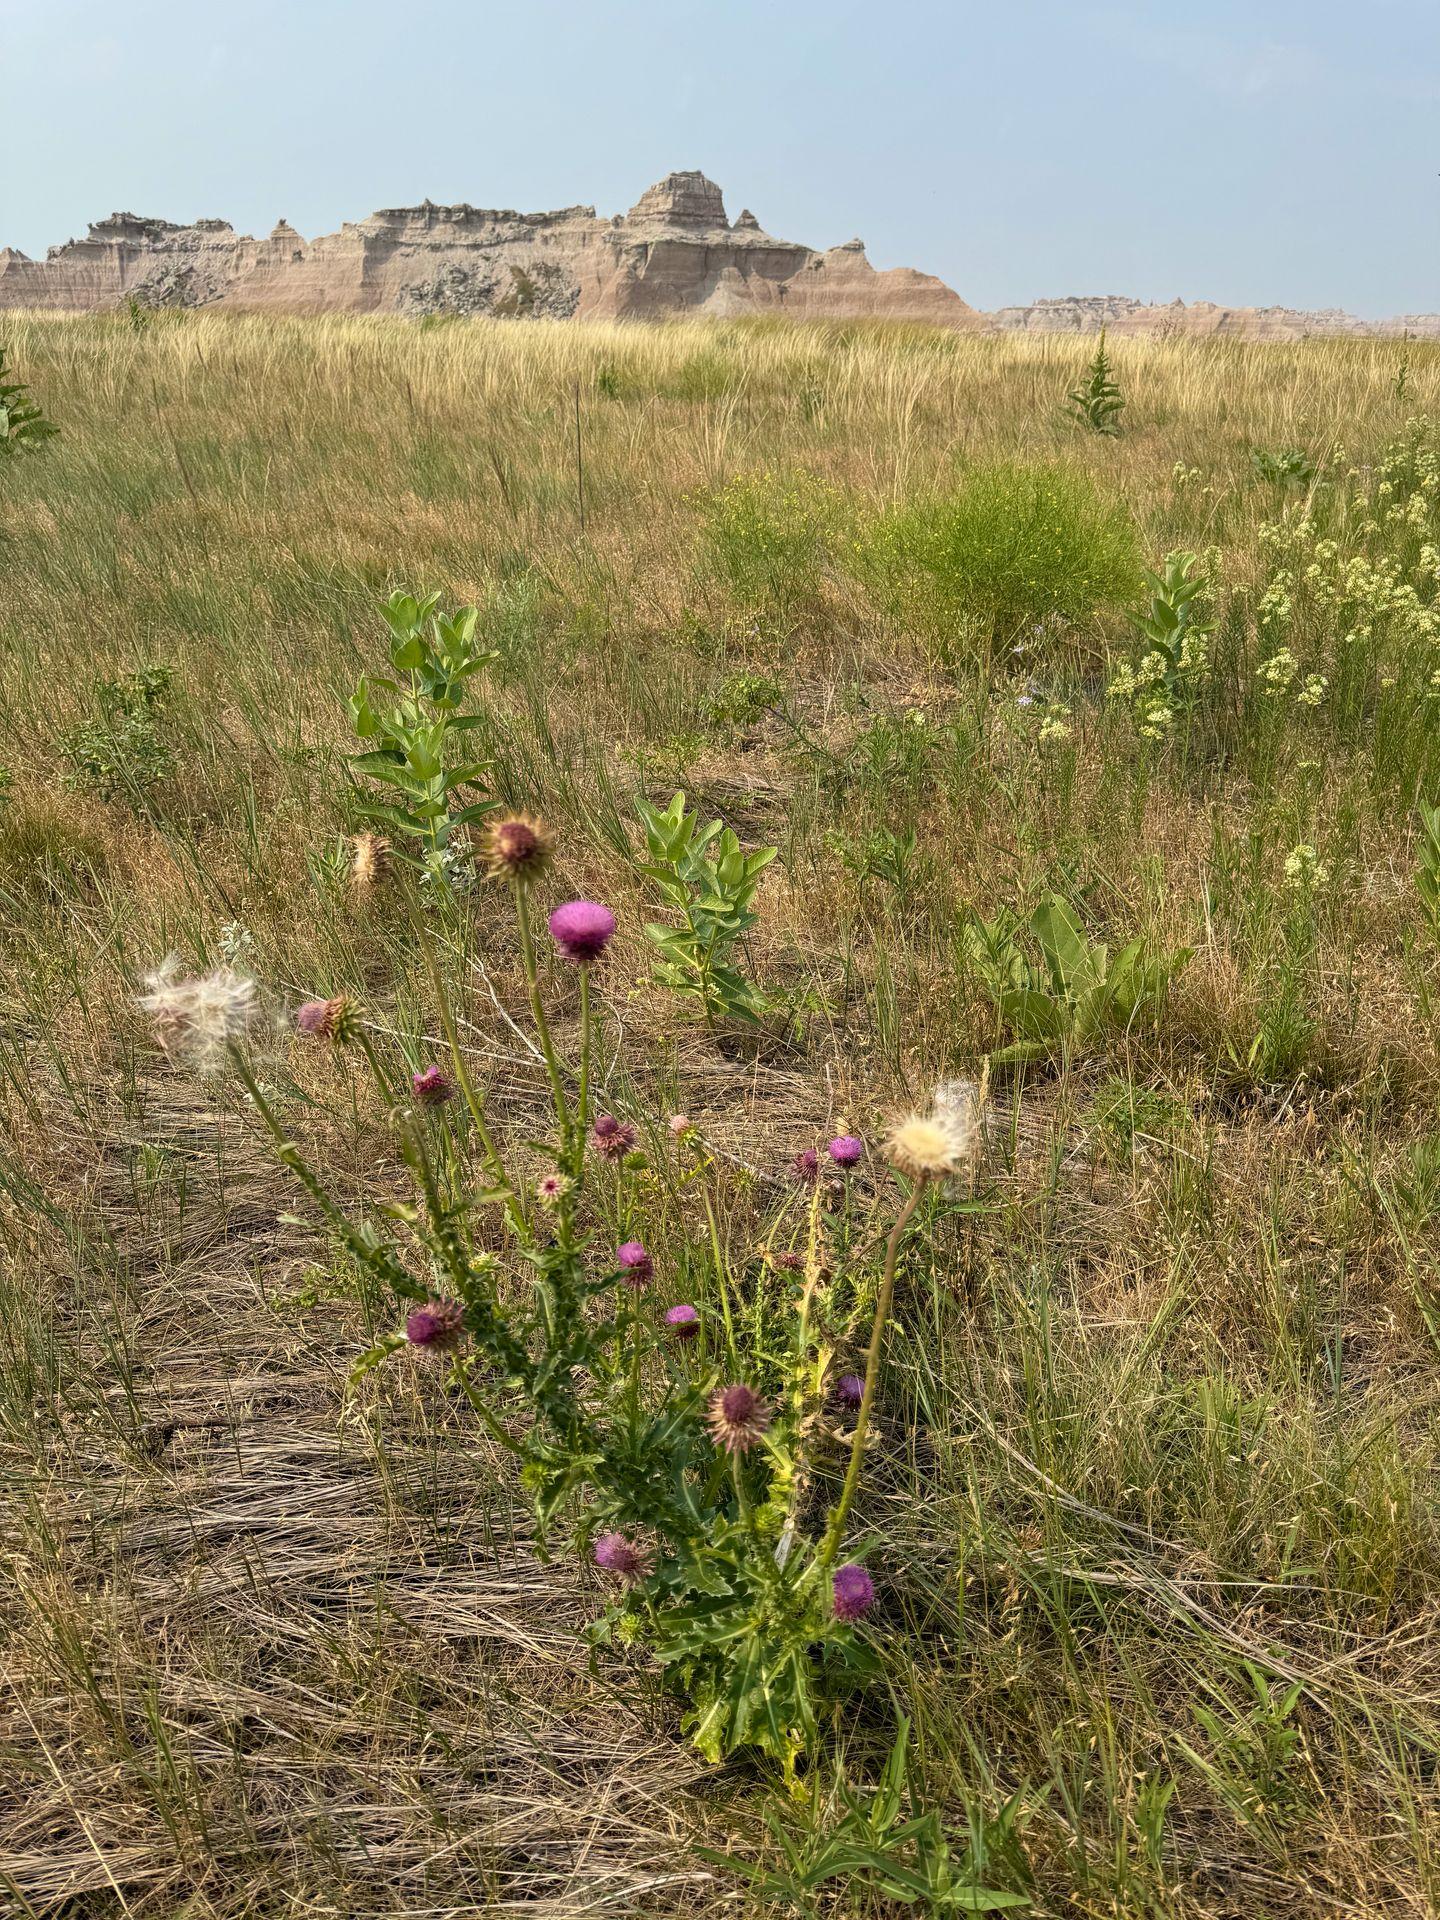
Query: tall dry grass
[(1168, 1409)]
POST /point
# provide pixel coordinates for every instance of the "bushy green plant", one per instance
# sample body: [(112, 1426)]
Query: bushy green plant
[(23, 425), (122, 749), (1289, 467), (413, 729), (710, 882), (1010, 548), (740, 700), (1057, 990), (1096, 402), (1169, 669), (767, 537)]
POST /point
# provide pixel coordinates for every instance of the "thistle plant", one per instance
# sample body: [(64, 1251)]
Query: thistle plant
[(1096, 402), (412, 726), (676, 1444)]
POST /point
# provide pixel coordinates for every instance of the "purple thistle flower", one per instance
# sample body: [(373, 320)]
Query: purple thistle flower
[(582, 930), (738, 1418), (847, 1151), (850, 1390), (853, 1591), (635, 1264), (617, 1553), (683, 1321), (612, 1139), (326, 1019), (431, 1087), (806, 1167), (436, 1328)]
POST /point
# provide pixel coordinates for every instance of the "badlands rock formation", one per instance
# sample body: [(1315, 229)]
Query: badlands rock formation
[(674, 252), (1087, 313)]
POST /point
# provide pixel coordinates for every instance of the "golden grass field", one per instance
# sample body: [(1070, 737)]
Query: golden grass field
[(1155, 1482)]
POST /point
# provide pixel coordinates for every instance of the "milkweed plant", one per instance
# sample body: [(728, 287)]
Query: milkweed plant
[(703, 1455)]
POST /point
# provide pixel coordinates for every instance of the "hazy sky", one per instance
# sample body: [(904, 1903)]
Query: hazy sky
[(1248, 151)]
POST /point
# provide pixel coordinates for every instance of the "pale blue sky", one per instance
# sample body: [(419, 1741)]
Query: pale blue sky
[(1277, 151)]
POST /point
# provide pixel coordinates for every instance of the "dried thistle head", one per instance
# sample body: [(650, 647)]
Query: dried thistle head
[(516, 848), (369, 860), (199, 1015)]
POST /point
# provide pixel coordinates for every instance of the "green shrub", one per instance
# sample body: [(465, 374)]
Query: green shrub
[(121, 749), (767, 537), (1010, 547)]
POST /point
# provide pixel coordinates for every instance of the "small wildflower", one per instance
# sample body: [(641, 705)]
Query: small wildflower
[(617, 1553), (680, 1125), (199, 1014), (850, 1390), (738, 1418), (636, 1266), (612, 1139), (327, 1019), (1304, 869), (788, 1261), (551, 1188), (853, 1591), (431, 1088), (516, 848), (437, 1328), (806, 1167), (846, 1151), (937, 1144), (582, 929), (683, 1321), (369, 859)]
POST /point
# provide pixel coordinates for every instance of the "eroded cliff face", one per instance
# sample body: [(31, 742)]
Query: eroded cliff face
[(1088, 313), (674, 252)]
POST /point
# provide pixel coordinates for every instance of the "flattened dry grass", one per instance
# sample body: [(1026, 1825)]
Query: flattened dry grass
[(1168, 1408)]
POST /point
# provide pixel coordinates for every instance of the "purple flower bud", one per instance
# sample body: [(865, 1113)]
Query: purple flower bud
[(635, 1264), (431, 1087), (847, 1151), (853, 1591), (683, 1321), (806, 1167), (850, 1390), (582, 929)]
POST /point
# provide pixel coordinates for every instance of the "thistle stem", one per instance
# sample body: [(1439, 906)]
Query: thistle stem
[(493, 1162), (583, 1098), (836, 1529)]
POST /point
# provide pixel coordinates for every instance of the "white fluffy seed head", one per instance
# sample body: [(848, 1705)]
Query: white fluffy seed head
[(937, 1144), (199, 1015)]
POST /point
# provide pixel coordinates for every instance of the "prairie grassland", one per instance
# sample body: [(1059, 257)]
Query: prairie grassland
[(1154, 1494)]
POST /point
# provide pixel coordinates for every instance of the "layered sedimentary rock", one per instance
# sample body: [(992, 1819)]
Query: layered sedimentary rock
[(1087, 313), (674, 252)]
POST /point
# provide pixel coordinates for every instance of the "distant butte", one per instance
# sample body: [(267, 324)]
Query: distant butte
[(674, 253)]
